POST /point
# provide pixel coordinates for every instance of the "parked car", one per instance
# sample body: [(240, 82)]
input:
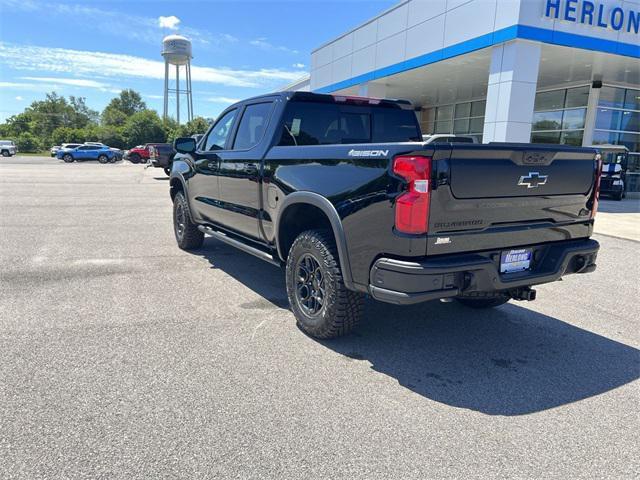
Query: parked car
[(138, 154), (8, 148), (118, 154), (344, 193), (446, 138), (86, 152), (161, 155), (54, 150), (615, 160)]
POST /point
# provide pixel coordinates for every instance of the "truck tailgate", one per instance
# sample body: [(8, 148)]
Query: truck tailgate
[(497, 195)]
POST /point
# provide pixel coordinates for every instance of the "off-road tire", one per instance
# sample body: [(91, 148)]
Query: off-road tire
[(187, 235), (134, 158), (5, 153), (341, 308), (103, 159), (487, 302), (67, 158)]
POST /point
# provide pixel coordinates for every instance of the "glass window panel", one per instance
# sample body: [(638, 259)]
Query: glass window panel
[(463, 110), (547, 120), (631, 141), (577, 97), (477, 108), (461, 126), (611, 97), (545, 137), (600, 137), (572, 138), (218, 135), (549, 100), (608, 119), (443, 127), (252, 125), (630, 121), (632, 99), (573, 119), (444, 113), (476, 125)]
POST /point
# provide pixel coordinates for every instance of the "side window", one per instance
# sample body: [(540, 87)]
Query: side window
[(218, 135), (252, 125)]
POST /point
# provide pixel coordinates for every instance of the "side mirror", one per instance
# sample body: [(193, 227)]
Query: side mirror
[(184, 145)]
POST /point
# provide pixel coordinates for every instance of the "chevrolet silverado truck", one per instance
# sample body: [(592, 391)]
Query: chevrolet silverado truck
[(345, 195)]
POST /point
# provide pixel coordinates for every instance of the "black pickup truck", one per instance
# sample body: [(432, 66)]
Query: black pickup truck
[(344, 193)]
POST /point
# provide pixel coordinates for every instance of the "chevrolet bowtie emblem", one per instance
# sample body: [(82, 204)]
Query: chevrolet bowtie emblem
[(533, 180)]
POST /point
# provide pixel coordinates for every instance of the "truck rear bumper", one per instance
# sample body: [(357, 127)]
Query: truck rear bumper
[(408, 282)]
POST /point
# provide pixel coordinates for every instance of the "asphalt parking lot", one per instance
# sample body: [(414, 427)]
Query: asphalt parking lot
[(122, 356)]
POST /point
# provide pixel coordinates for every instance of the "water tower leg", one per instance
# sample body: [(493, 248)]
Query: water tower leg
[(178, 93), (166, 90), (190, 91)]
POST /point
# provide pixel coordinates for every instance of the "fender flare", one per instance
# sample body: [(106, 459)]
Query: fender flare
[(329, 210), (182, 181)]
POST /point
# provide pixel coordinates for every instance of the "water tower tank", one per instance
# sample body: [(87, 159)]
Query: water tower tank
[(176, 49)]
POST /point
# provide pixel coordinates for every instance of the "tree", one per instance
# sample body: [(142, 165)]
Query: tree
[(82, 115), (195, 126), (122, 107), (143, 127), (26, 142)]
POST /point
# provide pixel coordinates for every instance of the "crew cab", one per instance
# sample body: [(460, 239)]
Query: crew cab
[(345, 194)]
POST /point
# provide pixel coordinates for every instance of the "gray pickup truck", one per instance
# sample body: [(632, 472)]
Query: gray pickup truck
[(8, 148)]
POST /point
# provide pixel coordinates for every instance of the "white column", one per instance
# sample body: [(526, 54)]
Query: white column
[(373, 90), (513, 77), (590, 121)]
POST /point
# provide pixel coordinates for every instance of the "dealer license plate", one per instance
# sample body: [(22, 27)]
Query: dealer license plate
[(515, 260)]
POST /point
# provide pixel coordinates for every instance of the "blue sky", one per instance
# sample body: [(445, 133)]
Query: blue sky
[(96, 48)]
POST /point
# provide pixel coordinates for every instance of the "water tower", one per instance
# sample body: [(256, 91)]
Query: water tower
[(176, 50)]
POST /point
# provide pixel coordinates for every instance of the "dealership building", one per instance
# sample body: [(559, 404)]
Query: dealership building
[(547, 71)]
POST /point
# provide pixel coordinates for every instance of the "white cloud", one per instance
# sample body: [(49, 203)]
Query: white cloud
[(81, 63), (76, 82), (298, 65), (263, 44), (228, 100), (138, 28), (19, 98), (170, 22)]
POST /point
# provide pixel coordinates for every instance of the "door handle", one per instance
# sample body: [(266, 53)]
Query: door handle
[(251, 168)]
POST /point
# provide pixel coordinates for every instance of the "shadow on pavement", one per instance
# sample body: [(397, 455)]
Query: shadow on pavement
[(505, 361)]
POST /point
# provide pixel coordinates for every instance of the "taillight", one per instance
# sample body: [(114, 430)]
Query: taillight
[(412, 207), (596, 188)]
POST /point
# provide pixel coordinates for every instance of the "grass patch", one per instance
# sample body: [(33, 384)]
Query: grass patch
[(46, 153)]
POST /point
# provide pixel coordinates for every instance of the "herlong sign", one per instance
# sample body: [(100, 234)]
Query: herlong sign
[(595, 14)]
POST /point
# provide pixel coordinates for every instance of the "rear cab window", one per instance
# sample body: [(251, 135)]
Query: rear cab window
[(326, 123), (252, 125)]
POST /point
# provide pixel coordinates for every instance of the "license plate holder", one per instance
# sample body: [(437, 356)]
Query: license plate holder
[(517, 260)]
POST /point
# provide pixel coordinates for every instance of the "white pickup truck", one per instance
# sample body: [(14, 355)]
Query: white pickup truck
[(8, 148)]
